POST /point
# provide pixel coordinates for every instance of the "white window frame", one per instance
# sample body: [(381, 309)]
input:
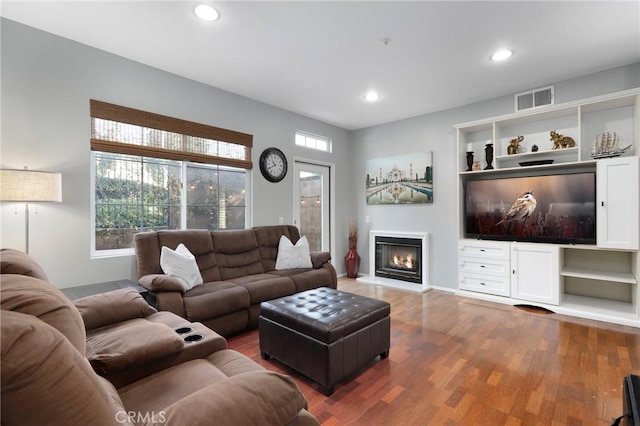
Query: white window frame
[(100, 254), (311, 141)]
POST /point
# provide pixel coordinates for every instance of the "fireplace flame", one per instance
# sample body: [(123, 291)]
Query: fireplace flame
[(399, 261)]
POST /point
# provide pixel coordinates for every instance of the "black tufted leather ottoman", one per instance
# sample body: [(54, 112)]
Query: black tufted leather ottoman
[(325, 334)]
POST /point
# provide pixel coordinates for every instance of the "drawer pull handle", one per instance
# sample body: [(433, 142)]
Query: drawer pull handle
[(482, 283), (482, 266), (481, 249)]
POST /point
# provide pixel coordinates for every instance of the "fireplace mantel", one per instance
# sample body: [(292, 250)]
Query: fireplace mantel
[(388, 282)]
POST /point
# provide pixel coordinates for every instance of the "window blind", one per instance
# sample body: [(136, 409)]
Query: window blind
[(124, 130)]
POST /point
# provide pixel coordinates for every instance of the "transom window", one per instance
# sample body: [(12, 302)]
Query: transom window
[(148, 176), (320, 143)]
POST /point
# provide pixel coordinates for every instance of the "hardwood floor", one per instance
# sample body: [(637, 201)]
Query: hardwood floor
[(456, 360)]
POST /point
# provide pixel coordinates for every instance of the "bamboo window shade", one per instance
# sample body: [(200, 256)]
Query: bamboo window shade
[(123, 130)]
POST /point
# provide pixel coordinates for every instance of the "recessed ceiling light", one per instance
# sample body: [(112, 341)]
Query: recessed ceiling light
[(206, 12), (501, 55), (372, 96)]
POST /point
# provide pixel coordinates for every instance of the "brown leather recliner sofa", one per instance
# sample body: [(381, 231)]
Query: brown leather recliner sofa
[(47, 378), (238, 270)]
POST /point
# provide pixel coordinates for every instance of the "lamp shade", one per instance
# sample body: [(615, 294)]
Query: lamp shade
[(29, 185)]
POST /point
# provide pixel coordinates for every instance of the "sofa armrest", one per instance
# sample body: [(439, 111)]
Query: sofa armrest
[(170, 301), (318, 258), (257, 397), (134, 345), (161, 282), (113, 306)]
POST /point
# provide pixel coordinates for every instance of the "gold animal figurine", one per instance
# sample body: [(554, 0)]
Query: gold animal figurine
[(561, 141), (514, 145)]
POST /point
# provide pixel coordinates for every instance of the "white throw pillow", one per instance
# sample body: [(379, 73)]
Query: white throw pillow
[(290, 256), (181, 264)]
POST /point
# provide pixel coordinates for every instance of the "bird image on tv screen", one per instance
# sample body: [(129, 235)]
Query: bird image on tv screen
[(558, 208)]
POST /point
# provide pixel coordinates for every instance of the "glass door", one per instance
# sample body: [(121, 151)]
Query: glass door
[(311, 203)]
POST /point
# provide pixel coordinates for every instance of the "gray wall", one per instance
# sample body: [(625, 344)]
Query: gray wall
[(47, 82)]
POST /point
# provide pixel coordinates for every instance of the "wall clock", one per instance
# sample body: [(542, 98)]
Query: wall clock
[(273, 164)]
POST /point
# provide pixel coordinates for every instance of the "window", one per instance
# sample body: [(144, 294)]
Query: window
[(215, 197), (148, 177), (309, 140)]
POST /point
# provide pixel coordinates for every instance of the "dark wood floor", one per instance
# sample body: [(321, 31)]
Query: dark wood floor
[(457, 360)]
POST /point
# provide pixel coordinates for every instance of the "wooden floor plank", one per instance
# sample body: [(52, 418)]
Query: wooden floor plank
[(461, 361)]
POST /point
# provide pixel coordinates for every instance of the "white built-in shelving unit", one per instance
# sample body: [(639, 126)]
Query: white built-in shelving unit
[(591, 281)]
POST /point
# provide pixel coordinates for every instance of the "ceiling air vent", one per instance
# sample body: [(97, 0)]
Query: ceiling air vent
[(534, 98)]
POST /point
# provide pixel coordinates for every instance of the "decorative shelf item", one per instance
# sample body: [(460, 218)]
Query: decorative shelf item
[(488, 151), (469, 160), (535, 163), (607, 145), (514, 145), (561, 141)]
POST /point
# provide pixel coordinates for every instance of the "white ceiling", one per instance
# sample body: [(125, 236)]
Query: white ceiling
[(319, 58)]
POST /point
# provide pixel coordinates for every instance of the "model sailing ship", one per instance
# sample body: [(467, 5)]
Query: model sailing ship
[(607, 145)]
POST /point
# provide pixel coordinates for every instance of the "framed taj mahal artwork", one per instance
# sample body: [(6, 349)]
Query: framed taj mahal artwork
[(405, 179)]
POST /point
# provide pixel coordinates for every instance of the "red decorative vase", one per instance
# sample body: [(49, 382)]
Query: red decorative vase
[(352, 263)]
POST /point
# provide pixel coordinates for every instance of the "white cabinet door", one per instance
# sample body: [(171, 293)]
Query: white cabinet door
[(535, 274), (618, 203)]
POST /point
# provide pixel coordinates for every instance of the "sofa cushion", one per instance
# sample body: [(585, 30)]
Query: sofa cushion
[(181, 264), (306, 279), (113, 306), (263, 287), (237, 253), (232, 363), (268, 398), (174, 387), (20, 263), (35, 297), (319, 258), (198, 241), (292, 256), (215, 299), (40, 368), (156, 392), (269, 238), (147, 253), (116, 349)]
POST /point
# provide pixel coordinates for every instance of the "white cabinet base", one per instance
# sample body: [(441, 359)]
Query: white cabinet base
[(579, 281), (574, 306)]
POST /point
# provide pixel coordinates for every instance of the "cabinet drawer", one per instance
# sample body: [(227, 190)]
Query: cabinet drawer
[(476, 265), (491, 284), (484, 249)]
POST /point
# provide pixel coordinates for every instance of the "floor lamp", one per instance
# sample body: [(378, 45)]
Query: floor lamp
[(30, 186)]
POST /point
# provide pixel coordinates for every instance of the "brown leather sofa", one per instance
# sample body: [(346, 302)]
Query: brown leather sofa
[(238, 270), (126, 339), (47, 378)]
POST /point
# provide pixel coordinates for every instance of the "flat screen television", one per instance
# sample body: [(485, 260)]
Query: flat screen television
[(552, 208)]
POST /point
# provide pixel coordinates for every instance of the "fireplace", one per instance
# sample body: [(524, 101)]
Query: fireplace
[(398, 259)]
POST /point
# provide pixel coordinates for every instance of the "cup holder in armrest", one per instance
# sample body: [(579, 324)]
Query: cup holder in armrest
[(183, 330), (193, 338)]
